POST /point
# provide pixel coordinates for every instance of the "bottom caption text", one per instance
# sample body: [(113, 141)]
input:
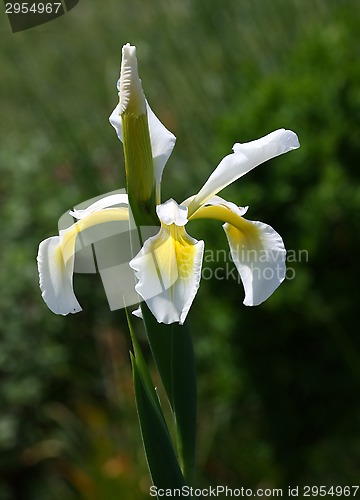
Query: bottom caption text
[(225, 491)]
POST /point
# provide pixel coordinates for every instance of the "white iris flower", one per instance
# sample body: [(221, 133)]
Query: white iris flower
[(168, 266)]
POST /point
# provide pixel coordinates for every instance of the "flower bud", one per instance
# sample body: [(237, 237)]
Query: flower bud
[(136, 140)]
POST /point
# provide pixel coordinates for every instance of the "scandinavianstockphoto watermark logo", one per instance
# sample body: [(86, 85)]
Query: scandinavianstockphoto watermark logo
[(24, 15), (107, 248)]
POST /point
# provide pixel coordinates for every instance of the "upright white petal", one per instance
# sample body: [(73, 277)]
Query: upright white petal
[(259, 255), (172, 213), (244, 158), (131, 94), (168, 268), (162, 140), (132, 99), (162, 143)]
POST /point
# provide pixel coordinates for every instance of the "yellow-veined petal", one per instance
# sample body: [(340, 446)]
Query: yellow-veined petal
[(56, 281), (56, 257), (257, 251), (168, 267)]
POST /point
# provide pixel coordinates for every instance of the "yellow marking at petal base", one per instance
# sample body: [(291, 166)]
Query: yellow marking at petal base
[(184, 250), (67, 245), (245, 230)]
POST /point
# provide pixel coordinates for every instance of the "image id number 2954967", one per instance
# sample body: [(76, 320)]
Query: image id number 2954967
[(337, 491), (32, 8)]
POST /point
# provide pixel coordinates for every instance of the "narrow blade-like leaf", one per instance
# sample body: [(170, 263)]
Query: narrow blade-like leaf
[(161, 458), (172, 349)]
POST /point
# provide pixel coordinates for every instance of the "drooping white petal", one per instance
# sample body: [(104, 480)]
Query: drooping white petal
[(162, 140), (257, 250), (56, 277), (244, 158), (168, 269), (56, 256), (259, 255), (106, 202)]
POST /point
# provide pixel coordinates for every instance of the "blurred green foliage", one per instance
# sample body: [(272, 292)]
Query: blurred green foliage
[(278, 384)]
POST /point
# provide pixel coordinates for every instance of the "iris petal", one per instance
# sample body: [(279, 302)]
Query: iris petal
[(57, 254), (259, 255), (257, 251), (56, 277), (162, 143), (244, 158), (105, 202), (168, 269)]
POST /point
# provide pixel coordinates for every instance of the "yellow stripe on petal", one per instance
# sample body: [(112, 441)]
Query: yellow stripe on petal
[(56, 257), (94, 221), (168, 268), (56, 277), (246, 229)]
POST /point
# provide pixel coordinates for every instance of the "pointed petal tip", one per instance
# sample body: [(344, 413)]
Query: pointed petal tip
[(130, 89), (138, 313)]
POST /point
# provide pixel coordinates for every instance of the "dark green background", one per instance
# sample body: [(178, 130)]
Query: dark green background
[(278, 385)]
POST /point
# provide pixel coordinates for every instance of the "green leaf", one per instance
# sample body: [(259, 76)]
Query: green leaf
[(143, 369), (163, 465), (173, 352)]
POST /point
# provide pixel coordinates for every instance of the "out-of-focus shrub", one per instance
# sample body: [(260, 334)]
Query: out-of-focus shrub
[(292, 405)]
